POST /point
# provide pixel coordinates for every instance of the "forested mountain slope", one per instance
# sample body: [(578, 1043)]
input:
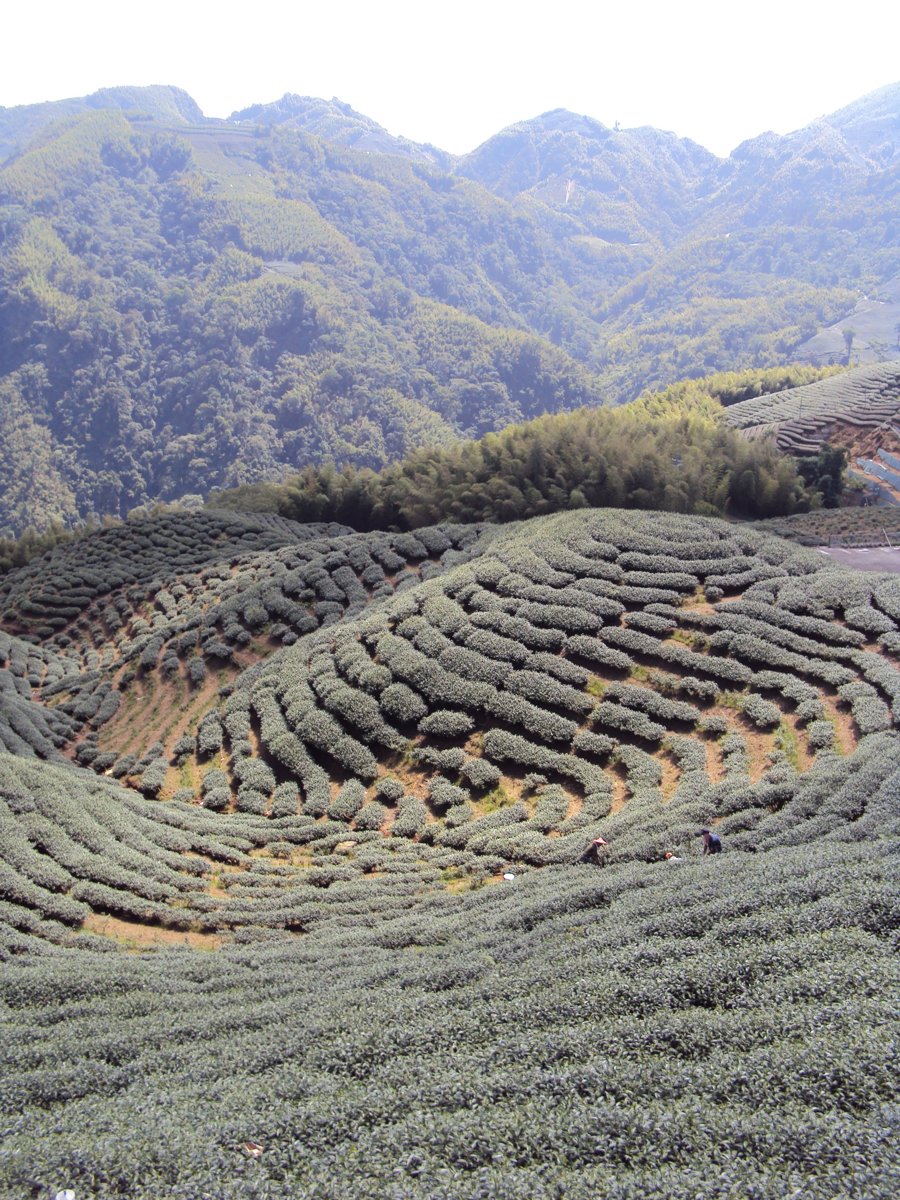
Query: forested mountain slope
[(289, 903), (21, 124), (671, 450), (337, 122), (188, 304), (183, 316), (748, 251), (627, 186)]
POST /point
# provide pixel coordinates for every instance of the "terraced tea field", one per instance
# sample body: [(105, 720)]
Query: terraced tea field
[(858, 410), (443, 706), (291, 820)]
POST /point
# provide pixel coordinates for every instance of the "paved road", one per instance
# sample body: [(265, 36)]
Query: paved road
[(865, 560)]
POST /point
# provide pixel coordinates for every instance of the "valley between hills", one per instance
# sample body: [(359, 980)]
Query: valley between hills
[(344, 610)]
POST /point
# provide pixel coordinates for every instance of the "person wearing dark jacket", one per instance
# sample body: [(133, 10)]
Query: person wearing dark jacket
[(594, 853), (712, 843)]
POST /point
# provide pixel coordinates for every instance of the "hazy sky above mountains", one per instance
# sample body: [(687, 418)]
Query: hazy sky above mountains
[(455, 74)]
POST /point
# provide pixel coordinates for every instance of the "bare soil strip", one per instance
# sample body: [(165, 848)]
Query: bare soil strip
[(135, 936)]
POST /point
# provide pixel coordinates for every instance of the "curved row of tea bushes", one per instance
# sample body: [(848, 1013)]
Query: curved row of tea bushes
[(73, 846), (466, 683), (408, 986), (866, 397), (67, 579), (28, 727), (250, 585)]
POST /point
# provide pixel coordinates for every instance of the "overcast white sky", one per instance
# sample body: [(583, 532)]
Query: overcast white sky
[(455, 73)]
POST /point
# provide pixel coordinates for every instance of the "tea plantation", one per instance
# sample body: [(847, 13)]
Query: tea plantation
[(290, 893), (870, 526), (866, 399)]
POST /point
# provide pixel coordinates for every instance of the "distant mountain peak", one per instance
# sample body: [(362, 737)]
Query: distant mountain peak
[(336, 121), (162, 102), (566, 121), (866, 130), (883, 102), (293, 106), (631, 185)]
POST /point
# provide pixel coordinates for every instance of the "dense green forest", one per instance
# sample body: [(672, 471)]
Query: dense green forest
[(668, 450), (188, 305), (587, 459), (157, 341)]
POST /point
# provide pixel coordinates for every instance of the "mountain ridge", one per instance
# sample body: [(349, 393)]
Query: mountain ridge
[(21, 122), (876, 109), (194, 305), (337, 122)]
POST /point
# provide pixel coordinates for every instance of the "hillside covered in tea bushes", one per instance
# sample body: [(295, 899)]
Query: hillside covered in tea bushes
[(857, 411), (188, 304), (290, 900)]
